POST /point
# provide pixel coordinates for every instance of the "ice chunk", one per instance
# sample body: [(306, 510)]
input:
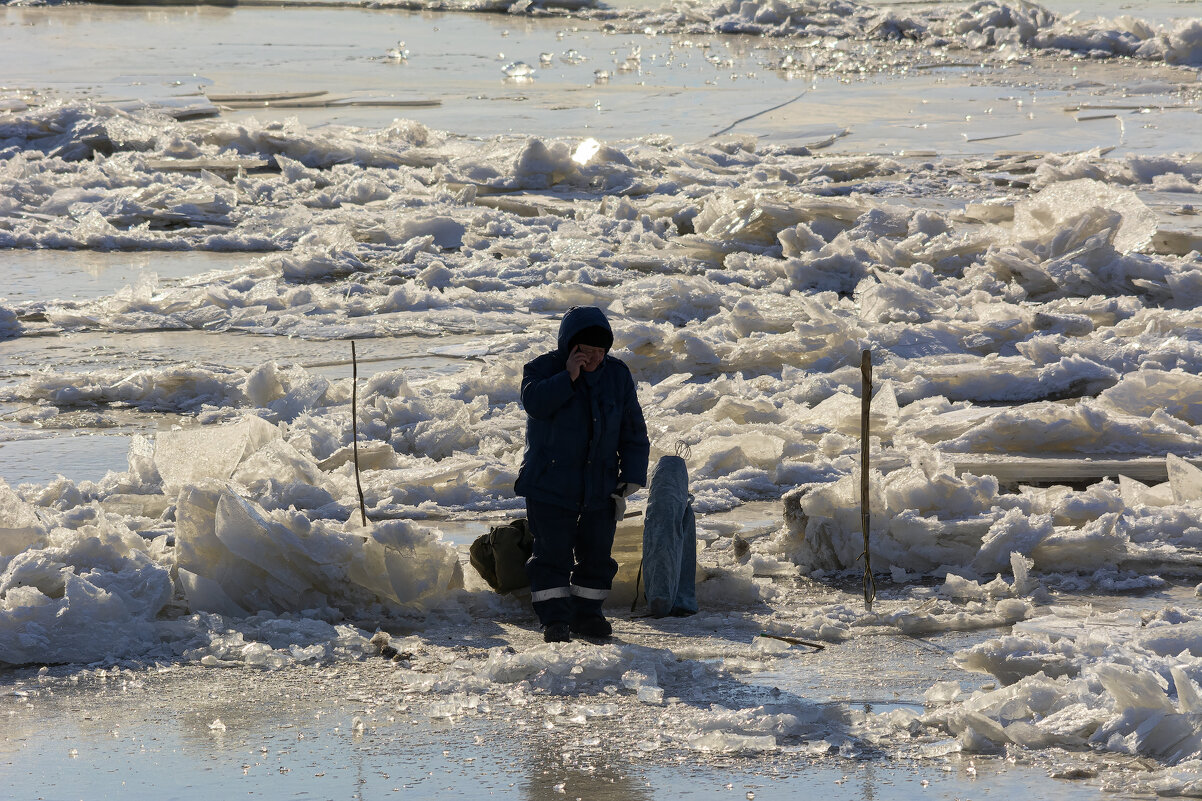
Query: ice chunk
[(642, 675), (942, 692), (1189, 700), (1184, 478), (1146, 719), (399, 54), (1136, 494), (20, 524), (1143, 392), (278, 461), (540, 167), (752, 217), (727, 454), (724, 742), (205, 593), (650, 695), (1015, 531), (81, 623), (518, 69), (10, 325), (405, 564), (1053, 216), (187, 456), (447, 232), (233, 555), (1021, 566)]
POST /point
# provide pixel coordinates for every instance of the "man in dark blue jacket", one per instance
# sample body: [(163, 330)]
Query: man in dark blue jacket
[(586, 450)]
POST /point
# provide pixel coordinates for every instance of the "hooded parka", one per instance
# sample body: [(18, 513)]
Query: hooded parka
[(583, 439)]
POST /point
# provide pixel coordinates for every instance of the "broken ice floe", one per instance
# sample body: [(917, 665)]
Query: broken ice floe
[(741, 304), (1004, 30), (926, 518), (1115, 682)]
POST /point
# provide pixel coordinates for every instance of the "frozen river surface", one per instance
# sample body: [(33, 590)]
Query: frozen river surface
[(201, 205)]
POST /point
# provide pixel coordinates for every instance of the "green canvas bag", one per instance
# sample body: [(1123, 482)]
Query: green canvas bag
[(500, 555)]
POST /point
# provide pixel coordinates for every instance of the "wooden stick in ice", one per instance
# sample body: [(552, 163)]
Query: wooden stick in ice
[(355, 429), (865, 447)]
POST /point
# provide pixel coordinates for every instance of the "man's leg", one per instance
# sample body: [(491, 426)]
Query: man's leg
[(595, 568), (550, 565)]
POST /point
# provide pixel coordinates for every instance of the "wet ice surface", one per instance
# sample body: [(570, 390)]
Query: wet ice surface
[(408, 725), (32, 275), (1007, 216), (203, 731)]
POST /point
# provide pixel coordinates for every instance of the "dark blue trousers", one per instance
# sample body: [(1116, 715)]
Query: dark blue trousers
[(571, 570)]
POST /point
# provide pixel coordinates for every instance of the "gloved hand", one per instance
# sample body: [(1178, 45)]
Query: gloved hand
[(619, 497)]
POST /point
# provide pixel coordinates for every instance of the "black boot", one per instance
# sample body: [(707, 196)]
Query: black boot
[(556, 632), (594, 627)]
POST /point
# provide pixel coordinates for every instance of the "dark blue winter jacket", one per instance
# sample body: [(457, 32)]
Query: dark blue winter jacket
[(582, 438)]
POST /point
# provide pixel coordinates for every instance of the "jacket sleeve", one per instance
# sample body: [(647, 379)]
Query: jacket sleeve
[(543, 395), (633, 446)]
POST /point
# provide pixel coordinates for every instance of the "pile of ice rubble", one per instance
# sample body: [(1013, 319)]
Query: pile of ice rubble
[(1118, 682), (925, 518), (87, 579), (1036, 322)]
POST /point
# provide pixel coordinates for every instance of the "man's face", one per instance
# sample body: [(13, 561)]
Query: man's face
[(593, 356)]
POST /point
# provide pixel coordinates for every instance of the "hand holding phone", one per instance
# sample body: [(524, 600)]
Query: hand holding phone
[(576, 360)]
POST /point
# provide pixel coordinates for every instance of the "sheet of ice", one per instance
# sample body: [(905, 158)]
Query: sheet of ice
[(185, 457)]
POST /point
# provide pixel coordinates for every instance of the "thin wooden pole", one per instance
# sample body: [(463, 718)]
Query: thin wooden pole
[(355, 429), (865, 448)]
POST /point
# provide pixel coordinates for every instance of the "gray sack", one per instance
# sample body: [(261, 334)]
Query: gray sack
[(670, 541)]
